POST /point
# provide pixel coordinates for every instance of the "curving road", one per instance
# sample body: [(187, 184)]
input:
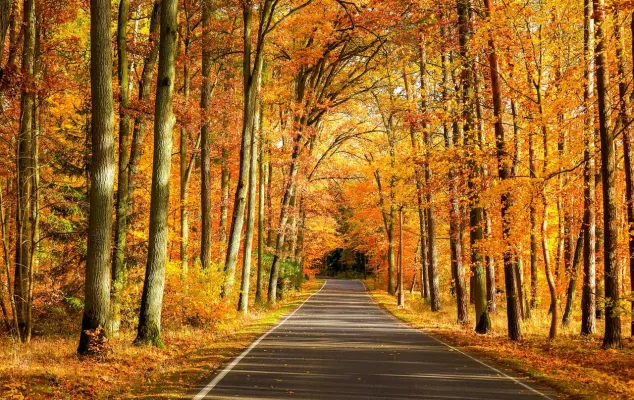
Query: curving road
[(340, 345)]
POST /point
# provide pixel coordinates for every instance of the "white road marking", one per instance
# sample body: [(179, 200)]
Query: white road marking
[(204, 391), (460, 351)]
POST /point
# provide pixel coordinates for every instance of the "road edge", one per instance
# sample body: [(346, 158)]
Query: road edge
[(236, 360)]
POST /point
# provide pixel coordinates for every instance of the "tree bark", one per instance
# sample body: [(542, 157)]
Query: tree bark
[(126, 185), (574, 275), (628, 148), (120, 232), (259, 291), (205, 148), (251, 77), (149, 329), (243, 302), (24, 223), (612, 337), (98, 263)]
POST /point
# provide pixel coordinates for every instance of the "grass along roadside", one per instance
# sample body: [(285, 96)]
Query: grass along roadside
[(49, 368), (575, 366)]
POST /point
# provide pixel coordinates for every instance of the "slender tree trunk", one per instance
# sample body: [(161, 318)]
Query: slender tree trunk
[(98, 263), (24, 226), (455, 216), (612, 337), (284, 213), (505, 173), (628, 150), (225, 177), (401, 291), (574, 275), (270, 235), (490, 268), (149, 329), (120, 232), (252, 76), (205, 140), (419, 177), (259, 291), (184, 163), (432, 251), (138, 136), (243, 302)]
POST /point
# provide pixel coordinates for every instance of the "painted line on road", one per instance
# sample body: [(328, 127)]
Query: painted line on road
[(205, 391), (457, 349)]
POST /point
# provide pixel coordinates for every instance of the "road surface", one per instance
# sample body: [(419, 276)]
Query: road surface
[(340, 345)]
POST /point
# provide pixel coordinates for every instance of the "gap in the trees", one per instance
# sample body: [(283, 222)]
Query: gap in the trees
[(345, 263)]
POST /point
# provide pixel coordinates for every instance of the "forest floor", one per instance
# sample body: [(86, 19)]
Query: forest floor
[(573, 365), (49, 368)]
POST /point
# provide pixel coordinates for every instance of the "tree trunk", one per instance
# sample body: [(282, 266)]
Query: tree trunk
[(120, 231), (149, 329), (225, 177), (251, 77), (490, 268), (612, 337), (24, 226), (505, 173), (98, 263), (628, 150), (126, 186), (279, 244), (574, 275), (401, 290), (455, 217), (205, 147), (243, 302), (259, 290)]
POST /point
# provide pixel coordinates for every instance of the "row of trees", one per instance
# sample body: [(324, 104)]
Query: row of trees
[(176, 66), (503, 126), (489, 125)]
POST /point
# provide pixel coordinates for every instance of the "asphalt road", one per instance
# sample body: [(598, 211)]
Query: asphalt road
[(340, 345)]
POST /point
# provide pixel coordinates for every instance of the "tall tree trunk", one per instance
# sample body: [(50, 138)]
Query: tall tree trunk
[(24, 226), (419, 176), (628, 148), (612, 337), (259, 290), (505, 173), (205, 148), (284, 213), (138, 139), (243, 302), (588, 295), (149, 329), (401, 291), (455, 216), (184, 163), (478, 282), (432, 251), (270, 234), (251, 77), (121, 226), (98, 263)]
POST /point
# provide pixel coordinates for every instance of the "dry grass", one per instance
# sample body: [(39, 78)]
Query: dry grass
[(49, 368), (573, 365)]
